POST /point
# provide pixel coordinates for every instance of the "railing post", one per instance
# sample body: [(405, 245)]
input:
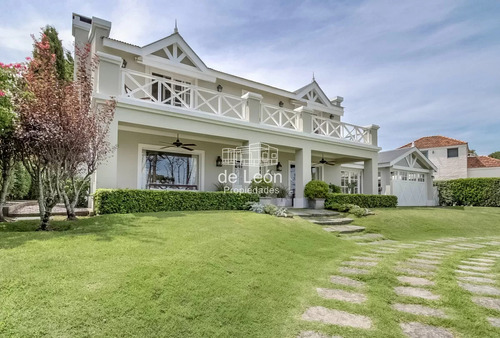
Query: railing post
[(254, 106), (373, 134), (306, 117)]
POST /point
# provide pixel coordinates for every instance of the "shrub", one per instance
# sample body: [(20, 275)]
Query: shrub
[(256, 207), (282, 212), (281, 191), (361, 200), (261, 188), (270, 209), (20, 183), (122, 201), (469, 191), (316, 189), (334, 188)]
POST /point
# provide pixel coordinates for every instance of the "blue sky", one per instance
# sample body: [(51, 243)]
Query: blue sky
[(416, 68)]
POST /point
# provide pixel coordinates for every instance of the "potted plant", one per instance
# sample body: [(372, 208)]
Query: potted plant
[(316, 192), (282, 196), (262, 188)]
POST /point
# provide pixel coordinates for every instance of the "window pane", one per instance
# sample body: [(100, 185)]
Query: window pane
[(171, 171), (452, 152)]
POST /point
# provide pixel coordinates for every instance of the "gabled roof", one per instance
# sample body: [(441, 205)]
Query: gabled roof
[(312, 92), (482, 162), (392, 157), (434, 142)]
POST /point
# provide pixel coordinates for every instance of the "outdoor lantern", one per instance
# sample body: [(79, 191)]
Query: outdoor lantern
[(219, 88), (237, 164), (124, 63), (279, 167), (218, 161), (281, 104)]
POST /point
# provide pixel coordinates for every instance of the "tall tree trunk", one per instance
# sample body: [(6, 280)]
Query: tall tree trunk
[(69, 204), (6, 174)]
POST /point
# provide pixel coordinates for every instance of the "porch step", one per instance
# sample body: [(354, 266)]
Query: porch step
[(313, 213), (344, 229), (332, 221)]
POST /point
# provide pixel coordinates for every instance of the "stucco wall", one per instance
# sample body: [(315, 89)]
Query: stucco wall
[(448, 168), (483, 172)]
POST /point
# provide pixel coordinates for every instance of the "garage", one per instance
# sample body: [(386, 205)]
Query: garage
[(407, 174)]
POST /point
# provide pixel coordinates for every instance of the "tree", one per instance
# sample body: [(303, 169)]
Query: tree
[(496, 155), (64, 60), (87, 132), (9, 86), (63, 132)]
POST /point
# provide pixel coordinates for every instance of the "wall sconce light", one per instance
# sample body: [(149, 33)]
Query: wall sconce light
[(238, 165), (219, 88), (218, 161), (124, 63), (279, 167), (281, 104)]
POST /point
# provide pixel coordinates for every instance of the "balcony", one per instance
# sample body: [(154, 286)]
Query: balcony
[(182, 94)]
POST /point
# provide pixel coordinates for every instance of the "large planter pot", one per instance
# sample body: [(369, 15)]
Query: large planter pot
[(317, 203), (283, 202), (266, 200)]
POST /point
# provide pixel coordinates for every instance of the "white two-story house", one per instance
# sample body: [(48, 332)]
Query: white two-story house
[(453, 159), (178, 123)]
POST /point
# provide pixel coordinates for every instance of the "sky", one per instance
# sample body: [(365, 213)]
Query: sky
[(415, 68)]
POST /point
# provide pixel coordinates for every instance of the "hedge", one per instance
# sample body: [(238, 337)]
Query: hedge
[(122, 201), (483, 192), (364, 201)]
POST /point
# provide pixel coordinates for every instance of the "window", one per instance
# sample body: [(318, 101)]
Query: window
[(172, 91), (421, 177), (403, 175), (452, 152), (425, 153), (349, 182), (165, 170)]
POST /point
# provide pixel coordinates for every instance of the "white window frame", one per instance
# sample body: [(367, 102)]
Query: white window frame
[(151, 147)]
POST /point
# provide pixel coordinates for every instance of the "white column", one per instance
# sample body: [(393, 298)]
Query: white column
[(370, 176), (251, 170), (302, 176)]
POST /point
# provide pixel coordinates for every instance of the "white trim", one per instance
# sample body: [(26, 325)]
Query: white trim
[(179, 68), (110, 58), (174, 134), (200, 153), (410, 169)]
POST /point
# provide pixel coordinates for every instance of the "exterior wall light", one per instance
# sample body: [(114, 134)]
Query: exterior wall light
[(279, 167), (219, 88), (218, 161), (124, 63), (238, 165), (281, 104)]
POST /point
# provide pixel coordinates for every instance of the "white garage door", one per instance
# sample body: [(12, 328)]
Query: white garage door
[(410, 193)]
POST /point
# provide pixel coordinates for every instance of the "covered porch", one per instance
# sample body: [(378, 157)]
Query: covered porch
[(146, 157)]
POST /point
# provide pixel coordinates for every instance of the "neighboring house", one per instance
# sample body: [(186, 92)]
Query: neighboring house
[(176, 118), (452, 158), (407, 174)]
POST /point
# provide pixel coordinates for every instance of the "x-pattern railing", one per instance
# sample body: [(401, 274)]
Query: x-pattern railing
[(181, 94), (280, 117), (341, 130)]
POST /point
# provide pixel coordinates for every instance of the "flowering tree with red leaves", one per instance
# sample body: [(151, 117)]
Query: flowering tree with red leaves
[(62, 132), (10, 76)]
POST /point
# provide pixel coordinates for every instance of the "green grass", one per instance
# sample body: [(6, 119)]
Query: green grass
[(409, 224), (218, 274), (196, 274)]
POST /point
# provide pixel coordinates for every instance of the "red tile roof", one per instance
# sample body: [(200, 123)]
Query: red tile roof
[(482, 162), (434, 142)]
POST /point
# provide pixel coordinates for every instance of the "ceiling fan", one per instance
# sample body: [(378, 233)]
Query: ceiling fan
[(323, 161), (179, 144)]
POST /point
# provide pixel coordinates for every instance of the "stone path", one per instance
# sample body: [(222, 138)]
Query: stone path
[(415, 277)]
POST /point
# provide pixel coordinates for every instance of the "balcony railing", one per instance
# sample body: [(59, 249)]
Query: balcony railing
[(181, 94), (279, 117), (327, 127)]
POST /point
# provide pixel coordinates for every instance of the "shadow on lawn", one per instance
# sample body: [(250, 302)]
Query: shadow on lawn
[(105, 228)]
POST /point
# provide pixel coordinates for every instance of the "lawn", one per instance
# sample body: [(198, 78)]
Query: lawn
[(213, 274), (197, 274)]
